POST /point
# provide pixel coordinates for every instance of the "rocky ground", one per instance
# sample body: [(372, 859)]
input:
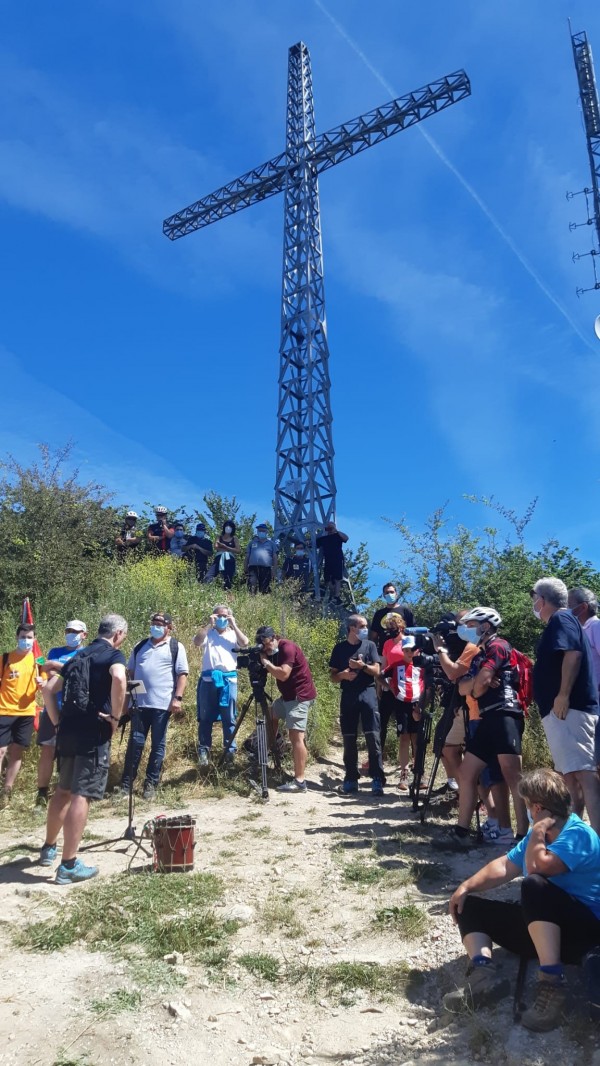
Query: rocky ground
[(319, 887)]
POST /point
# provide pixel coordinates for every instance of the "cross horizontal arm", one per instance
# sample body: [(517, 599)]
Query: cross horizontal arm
[(352, 137), (256, 185)]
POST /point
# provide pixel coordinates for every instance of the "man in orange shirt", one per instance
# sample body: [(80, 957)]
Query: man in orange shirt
[(19, 682)]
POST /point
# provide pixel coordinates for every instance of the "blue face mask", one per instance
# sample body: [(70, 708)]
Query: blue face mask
[(390, 597), (262, 535), (25, 643), (73, 640), (157, 632), (363, 633), (221, 623), (467, 634), (530, 817)]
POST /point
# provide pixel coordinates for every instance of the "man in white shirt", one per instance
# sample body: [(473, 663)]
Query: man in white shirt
[(160, 662), (217, 685)]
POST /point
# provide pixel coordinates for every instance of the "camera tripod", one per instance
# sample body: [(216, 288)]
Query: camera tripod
[(265, 737), (129, 834)]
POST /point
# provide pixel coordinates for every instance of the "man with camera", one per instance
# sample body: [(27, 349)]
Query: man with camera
[(219, 640), (286, 662), (160, 532), (160, 662), (354, 665), (128, 537), (94, 687)]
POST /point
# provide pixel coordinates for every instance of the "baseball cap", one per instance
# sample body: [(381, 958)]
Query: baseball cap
[(409, 642), (262, 525), (264, 633), (163, 614), (77, 625)]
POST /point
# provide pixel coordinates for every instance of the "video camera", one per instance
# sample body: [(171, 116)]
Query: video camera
[(250, 659)]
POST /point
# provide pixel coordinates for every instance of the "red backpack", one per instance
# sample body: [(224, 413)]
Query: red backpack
[(523, 666)]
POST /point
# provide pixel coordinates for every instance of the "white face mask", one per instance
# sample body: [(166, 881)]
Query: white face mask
[(25, 643), (536, 611)]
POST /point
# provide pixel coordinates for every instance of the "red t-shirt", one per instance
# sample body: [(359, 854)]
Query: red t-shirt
[(407, 682), (300, 684)]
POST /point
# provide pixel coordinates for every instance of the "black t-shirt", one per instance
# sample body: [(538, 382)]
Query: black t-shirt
[(79, 734), (496, 656), (295, 569), (200, 559), (341, 655), (376, 626), (331, 544), (563, 633), (157, 530)]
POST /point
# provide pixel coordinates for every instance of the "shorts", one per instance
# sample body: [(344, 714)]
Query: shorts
[(85, 775), (295, 712), (16, 729), (491, 774), (571, 740), (405, 722), (46, 735), (456, 733), (333, 572), (497, 733)]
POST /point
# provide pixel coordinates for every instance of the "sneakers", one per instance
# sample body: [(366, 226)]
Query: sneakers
[(41, 800), (292, 786), (202, 757), (484, 986), (80, 872), (47, 855), (377, 787), (229, 757), (348, 787), (149, 791), (546, 1012), (403, 785), (452, 784), (501, 838)]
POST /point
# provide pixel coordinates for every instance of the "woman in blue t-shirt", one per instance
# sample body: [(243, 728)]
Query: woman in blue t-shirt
[(559, 861)]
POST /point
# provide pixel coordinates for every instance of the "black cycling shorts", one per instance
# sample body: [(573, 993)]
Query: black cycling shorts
[(16, 729), (498, 733)]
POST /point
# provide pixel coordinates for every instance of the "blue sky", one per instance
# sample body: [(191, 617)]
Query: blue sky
[(461, 359)]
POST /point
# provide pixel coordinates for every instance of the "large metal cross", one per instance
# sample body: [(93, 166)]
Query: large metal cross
[(305, 494)]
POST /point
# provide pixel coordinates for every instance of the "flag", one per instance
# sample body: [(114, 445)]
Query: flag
[(27, 619)]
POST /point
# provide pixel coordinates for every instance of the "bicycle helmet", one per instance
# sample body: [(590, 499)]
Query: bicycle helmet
[(482, 614), (132, 514), (160, 510)]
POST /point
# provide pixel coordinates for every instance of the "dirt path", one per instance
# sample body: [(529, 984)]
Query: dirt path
[(314, 881)]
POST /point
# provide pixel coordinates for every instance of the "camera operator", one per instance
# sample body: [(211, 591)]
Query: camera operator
[(218, 640), (354, 665), (298, 693), (455, 658), (493, 683)]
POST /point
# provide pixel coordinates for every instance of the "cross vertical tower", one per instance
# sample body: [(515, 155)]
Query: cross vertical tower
[(305, 484), (304, 480), (590, 107)]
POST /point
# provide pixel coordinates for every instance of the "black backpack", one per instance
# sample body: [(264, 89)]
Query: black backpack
[(76, 685), (173, 645)]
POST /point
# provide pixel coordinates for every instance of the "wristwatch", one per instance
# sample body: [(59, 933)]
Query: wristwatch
[(177, 699)]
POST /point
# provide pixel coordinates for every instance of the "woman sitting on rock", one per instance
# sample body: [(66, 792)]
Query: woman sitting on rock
[(558, 918)]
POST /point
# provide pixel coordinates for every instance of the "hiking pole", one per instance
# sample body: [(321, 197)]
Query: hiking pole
[(423, 738)]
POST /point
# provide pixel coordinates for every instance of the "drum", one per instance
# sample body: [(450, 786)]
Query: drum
[(174, 844)]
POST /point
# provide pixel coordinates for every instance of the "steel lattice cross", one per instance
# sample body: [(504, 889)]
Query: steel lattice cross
[(305, 494)]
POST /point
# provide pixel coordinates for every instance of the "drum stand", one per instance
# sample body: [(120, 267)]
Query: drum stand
[(129, 833)]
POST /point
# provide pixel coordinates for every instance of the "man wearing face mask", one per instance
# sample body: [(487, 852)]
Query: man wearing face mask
[(493, 682), (287, 663), (199, 547), (261, 561), (75, 638), (392, 605), (565, 691), (178, 540), (354, 665), (296, 567), (160, 662), (19, 682), (219, 641)]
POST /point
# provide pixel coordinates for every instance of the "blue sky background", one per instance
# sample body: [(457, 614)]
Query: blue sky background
[(461, 359)]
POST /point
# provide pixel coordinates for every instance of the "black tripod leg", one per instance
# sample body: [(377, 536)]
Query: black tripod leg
[(263, 755), (430, 786)]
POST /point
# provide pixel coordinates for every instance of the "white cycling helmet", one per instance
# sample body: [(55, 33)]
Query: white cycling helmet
[(132, 514), (482, 614), (160, 510)]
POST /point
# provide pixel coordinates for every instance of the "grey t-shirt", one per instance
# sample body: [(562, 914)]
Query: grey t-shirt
[(261, 552), (153, 665)]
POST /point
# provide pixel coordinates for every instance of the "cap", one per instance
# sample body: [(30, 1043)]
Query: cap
[(409, 642), (264, 633), (262, 525), (163, 614), (77, 625), (200, 525)]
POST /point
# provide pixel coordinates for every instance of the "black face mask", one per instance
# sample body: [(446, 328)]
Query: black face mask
[(392, 632)]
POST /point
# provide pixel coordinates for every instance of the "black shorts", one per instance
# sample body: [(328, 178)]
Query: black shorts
[(16, 729), (333, 571), (46, 735), (498, 733), (405, 722), (85, 775)]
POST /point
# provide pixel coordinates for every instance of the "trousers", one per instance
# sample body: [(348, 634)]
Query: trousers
[(361, 709)]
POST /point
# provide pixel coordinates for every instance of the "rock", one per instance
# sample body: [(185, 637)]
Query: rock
[(239, 912), (179, 1010), (213, 1018), (266, 995), (174, 958)]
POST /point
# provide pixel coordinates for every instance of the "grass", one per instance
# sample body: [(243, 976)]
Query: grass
[(121, 999), (359, 872), (261, 965), (409, 921), (342, 980), (66, 1059), (278, 913), (156, 914)]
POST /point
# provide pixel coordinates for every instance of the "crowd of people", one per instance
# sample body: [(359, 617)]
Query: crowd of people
[(387, 674), (263, 560)]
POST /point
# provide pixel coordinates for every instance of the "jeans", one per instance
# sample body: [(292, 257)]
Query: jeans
[(143, 721), (361, 709), (208, 696)]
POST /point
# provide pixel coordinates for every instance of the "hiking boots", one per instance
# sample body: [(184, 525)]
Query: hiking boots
[(377, 787), (149, 791), (403, 785), (546, 1011), (484, 986)]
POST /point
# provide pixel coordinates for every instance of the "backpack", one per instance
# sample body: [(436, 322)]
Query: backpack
[(173, 645), (523, 666), (76, 685)]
